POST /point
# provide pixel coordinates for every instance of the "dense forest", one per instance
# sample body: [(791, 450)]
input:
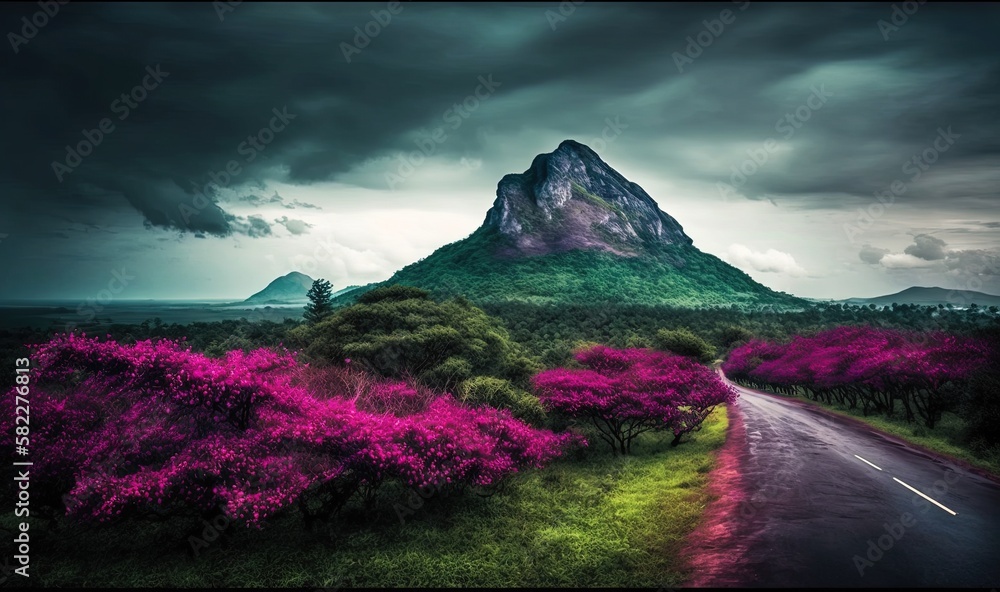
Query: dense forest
[(673, 275), (549, 332)]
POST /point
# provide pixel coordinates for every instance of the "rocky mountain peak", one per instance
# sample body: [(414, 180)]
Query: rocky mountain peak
[(571, 199)]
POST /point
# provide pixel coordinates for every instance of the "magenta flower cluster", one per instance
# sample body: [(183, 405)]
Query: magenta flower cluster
[(867, 366), (626, 392), (153, 429)]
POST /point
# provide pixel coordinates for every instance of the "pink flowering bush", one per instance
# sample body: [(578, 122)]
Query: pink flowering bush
[(154, 430), (867, 366), (627, 392)]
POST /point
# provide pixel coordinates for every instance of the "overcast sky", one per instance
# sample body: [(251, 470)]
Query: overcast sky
[(834, 105)]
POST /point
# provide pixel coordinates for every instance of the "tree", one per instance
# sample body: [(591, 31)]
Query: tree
[(685, 343), (393, 293), (398, 331), (154, 431), (625, 393), (925, 372), (320, 301), (732, 334)]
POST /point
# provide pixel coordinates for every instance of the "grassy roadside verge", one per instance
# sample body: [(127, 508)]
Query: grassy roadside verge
[(945, 438), (593, 521)]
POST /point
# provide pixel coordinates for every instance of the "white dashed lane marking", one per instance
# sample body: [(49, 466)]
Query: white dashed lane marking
[(925, 497), (865, 461)]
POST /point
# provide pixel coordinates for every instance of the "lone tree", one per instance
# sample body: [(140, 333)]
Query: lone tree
[(320, 301), (627, 392)]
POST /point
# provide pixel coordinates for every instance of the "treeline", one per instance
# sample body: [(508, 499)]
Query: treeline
[(551, 331), (919, 375)]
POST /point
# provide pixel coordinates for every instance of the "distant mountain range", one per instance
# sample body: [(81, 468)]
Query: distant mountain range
[(930, 297), (573, 229)]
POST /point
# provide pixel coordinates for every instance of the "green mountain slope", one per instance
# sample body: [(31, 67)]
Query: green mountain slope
[(677, 275), (572, 229)]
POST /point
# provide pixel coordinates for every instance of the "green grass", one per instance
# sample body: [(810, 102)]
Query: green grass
[(591, 521), (946, 437)]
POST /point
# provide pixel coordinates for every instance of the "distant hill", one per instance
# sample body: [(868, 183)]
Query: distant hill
[(287, 289), (571, 229), (931, 297)]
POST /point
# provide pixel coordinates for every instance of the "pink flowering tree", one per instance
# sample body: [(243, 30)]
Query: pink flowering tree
[(625, 393), (153, 430), (876, 369)]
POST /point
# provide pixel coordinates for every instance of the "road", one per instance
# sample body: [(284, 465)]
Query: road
[(810, 499)]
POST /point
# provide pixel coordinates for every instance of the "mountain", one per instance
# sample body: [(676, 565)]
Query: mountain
[(573, 229), (571, 199), (931, 297), (290, 288)]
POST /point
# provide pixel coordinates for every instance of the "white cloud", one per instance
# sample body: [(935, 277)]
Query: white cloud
[(772, 260), (294, 226), (904, 261)]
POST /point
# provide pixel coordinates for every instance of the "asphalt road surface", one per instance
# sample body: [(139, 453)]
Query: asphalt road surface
[(823, 501)]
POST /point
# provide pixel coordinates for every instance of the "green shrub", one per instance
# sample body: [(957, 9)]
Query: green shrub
[(500, 393), (401, 332), (684, 343)]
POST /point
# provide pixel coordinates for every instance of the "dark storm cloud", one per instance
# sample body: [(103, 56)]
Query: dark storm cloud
[(975, 261), (927, 247), (299, 204), (228, 79), (252, 226), (870, 254), (259, 200), (932, 252)]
